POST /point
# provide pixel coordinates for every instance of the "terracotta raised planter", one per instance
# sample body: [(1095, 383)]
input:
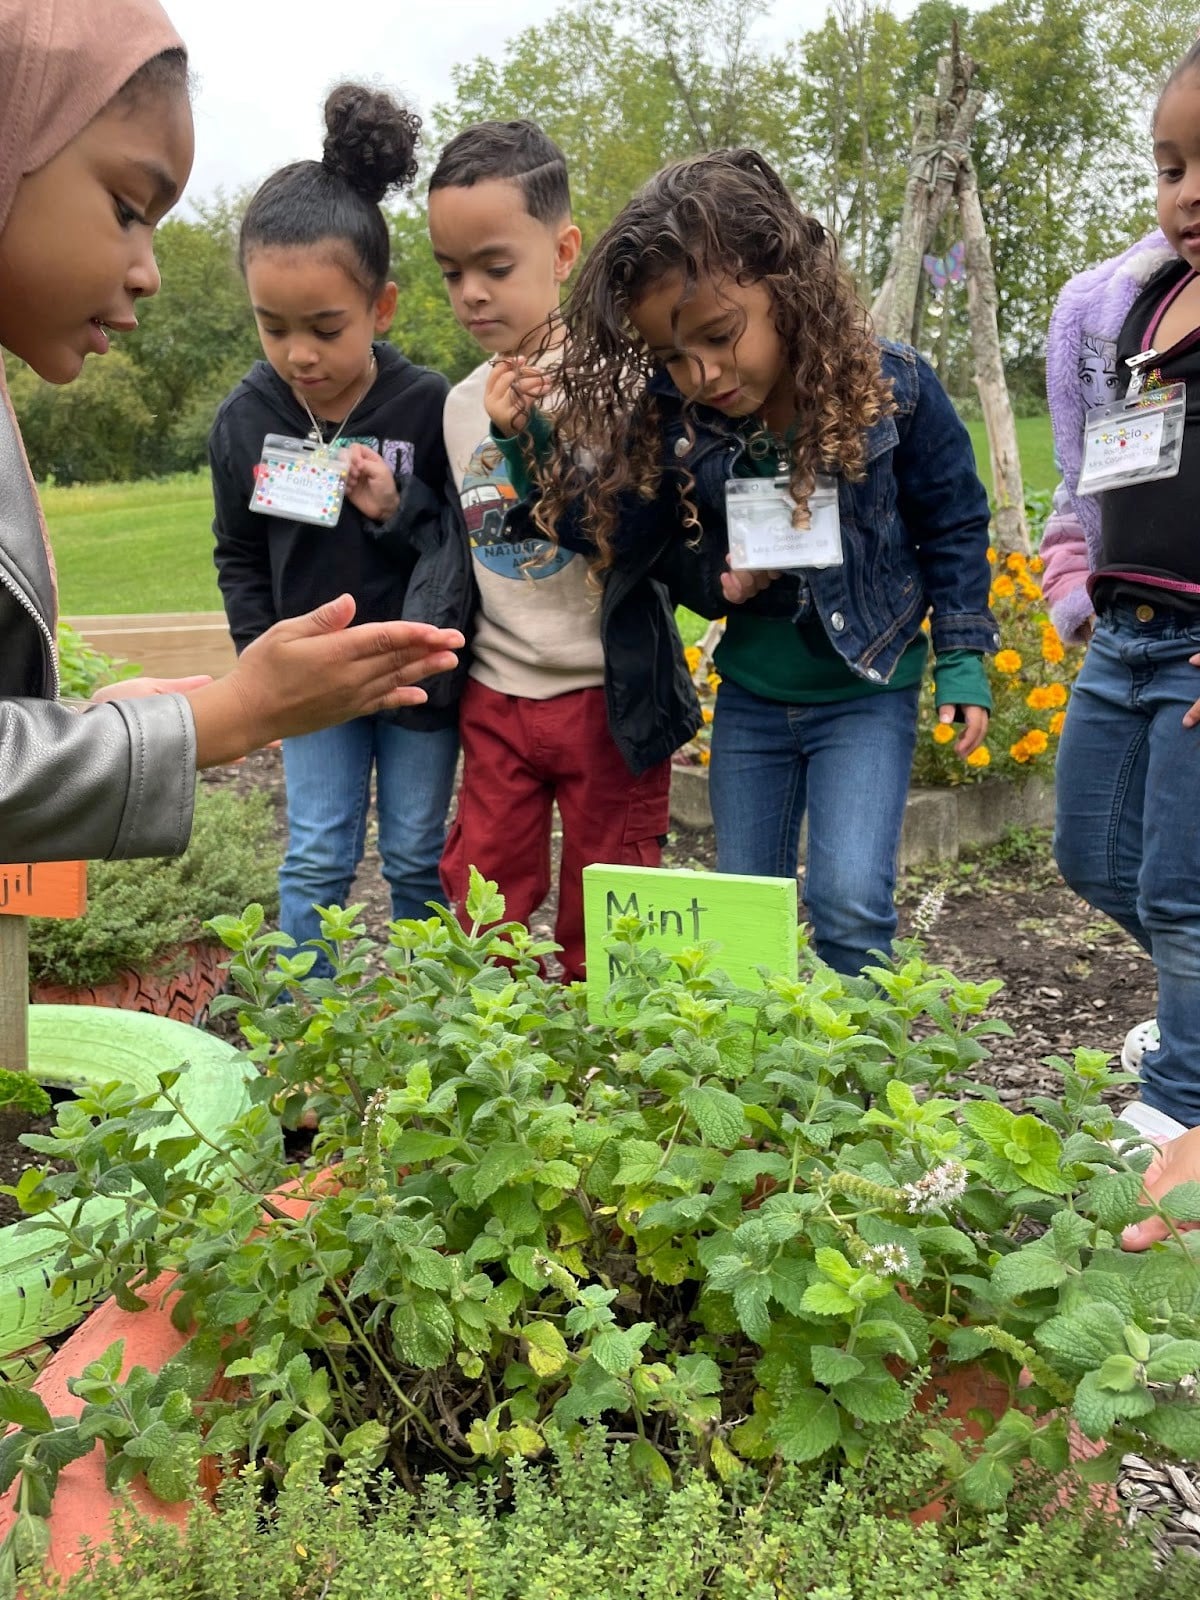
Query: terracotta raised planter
[(180, 986)]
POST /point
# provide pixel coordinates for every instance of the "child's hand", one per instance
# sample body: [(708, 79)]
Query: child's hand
[(1192, 715), (1177, 1162), (370, 485), (738, 587), (513, 389), (975, 728)]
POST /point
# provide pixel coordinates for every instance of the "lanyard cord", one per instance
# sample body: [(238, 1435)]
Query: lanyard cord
[(318, 431)]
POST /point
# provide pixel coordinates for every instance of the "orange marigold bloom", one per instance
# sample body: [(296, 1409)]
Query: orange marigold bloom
[(1056, 722), (1029, 589), (1052, 649), (707, 713), (705, 755), (980, 758), (1015, 562), (1036, 564), (991, 555), (1057, 694), (692, 656), (1036, 741), (1004, 588), (1008, 661), (714, 681), (943, 733), (1019, 751), (1039, 699)]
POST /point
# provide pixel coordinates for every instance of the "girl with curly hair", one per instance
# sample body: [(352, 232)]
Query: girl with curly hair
[(717, 364), (334, 396)]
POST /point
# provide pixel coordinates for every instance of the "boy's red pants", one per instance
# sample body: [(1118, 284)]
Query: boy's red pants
[(519, 756)]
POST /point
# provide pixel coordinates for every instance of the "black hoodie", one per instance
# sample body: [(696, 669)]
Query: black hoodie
[(270, 568)]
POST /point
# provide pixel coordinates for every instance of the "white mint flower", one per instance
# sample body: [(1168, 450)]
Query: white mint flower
[(929, 910), (888, 1260), (936, 1189)]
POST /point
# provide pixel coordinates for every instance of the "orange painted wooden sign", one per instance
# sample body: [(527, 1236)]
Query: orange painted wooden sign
[(43, 889)]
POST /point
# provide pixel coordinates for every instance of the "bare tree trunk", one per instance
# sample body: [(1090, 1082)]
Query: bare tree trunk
[(941, 134), (1011, 529)]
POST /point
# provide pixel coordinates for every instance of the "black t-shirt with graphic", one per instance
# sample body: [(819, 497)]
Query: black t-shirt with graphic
[(1154, 528)]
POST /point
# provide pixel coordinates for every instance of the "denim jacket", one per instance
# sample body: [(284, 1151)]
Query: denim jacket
[(914, 529)]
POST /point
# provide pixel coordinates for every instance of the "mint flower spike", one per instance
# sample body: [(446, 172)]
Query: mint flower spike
[(936, 1189), (888, 1260)]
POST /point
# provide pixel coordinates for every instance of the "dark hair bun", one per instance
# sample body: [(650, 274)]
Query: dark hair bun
[(370, 140)]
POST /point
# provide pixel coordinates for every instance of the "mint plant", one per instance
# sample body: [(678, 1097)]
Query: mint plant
[(730, 1226)]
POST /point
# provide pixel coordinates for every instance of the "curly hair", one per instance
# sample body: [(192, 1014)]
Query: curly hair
[(370, 148), (726, 215)]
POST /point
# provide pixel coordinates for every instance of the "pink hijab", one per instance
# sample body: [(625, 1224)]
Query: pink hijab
[(61, 62)]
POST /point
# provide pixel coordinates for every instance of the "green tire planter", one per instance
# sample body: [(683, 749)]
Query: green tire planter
[(71, 1047)]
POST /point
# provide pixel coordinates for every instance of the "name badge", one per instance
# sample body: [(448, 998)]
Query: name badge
[(763, 536), (1135, 440), (300, 480)]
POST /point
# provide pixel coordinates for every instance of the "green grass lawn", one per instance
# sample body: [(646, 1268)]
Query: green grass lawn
[(134, 546), (148, 546)]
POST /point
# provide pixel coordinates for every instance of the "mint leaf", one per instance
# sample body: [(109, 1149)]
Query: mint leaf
[(832, 1366), (1026, 1271), (24, 1409), (877, 1398), (1182, 1203), (807, 1426), (719, 1115)]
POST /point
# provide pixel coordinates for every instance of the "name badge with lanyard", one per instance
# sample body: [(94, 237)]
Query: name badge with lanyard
[(760, 514), (1140, 438), (304, 480)]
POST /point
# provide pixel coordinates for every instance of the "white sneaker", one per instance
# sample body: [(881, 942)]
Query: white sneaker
[(1139, 1042)]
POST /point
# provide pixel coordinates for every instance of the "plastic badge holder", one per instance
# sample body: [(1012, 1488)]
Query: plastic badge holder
[(1135, 440), (300, 480), (761, 536)]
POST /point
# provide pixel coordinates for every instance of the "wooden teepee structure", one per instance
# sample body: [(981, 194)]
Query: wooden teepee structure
[(941, 174)]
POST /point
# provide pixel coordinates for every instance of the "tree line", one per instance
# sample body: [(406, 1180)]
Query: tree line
[(1062, 151)]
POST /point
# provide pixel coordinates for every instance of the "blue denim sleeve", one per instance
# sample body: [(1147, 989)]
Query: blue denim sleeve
[(945, 510)]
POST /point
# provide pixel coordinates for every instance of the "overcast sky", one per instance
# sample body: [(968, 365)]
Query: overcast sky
[(264, 65)]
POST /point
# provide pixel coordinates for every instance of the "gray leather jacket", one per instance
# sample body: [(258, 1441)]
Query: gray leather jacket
[(113, 780)]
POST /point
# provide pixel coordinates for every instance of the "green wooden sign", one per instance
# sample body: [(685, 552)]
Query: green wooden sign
[(750, 922)]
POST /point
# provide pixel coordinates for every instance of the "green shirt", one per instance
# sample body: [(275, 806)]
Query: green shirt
[(796, 662)]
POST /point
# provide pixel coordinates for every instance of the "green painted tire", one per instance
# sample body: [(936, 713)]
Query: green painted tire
[(71, 1047)]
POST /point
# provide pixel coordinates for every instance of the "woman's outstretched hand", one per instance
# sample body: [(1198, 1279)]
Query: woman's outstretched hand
[(314, 671)]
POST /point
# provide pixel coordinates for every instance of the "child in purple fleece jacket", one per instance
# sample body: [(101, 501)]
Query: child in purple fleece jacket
[(1123, 568)]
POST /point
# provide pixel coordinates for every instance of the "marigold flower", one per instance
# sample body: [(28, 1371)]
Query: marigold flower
[(1020, 752), (1029, 589), (991, 555), (1008, 661), (980, 758), (1057, 694), (1056, 722), (705, 755), (692, 656), (1052, 650), (943, 733), (1040, 699), (1015, 561), (714, 681), (707, 713), (1004, 588), (1036, 741), (1036, 564)]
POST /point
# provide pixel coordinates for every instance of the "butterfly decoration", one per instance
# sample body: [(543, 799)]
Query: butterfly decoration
[(950, 268)]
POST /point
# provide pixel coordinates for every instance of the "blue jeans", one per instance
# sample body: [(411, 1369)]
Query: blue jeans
[(328, 791), (847, 764), (1127, 835)]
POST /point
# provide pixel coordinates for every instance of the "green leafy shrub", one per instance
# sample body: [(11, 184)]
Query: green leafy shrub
[(140, 912), (23, 1094), (592, 1528), (735, 1227), (82, 669)]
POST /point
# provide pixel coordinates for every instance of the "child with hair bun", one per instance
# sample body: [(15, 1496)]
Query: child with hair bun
[(338, 410)]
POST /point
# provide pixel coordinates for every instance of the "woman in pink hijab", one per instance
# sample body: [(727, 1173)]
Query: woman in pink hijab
[(95, 148)]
